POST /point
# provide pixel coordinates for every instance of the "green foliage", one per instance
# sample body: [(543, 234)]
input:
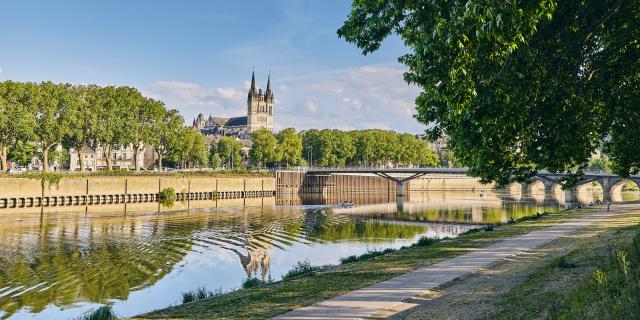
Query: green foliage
[(370, 254), (253, 283), (611, 293), (199, 294), (21, 152), (366, 147), (263, 150), (425, 241), (102, 313), (216, 162), (600, 164), (289, 149), (518, 86), (229, 150), (167, 197), (563, 263), (302, 268)]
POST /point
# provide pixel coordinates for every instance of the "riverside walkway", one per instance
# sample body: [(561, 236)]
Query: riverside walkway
[(394, 295)]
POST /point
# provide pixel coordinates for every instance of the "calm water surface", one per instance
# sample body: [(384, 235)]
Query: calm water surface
[(60, 265)]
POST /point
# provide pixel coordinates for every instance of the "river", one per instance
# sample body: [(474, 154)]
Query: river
[(59, 265)]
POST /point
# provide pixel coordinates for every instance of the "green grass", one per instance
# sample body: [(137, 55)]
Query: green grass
[(267, 300), (588, 281), (302, 268), (102, 313), (199, 294), (611, 292)]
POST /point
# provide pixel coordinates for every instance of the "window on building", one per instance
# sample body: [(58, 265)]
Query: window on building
[(115, 156)]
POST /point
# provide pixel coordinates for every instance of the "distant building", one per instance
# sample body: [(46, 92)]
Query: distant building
[(440, 146), (122, 158), (259, 116)]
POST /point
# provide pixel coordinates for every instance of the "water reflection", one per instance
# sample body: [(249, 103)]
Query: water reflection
[(58, 265)]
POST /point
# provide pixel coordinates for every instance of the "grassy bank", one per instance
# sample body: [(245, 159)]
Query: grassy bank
[(277, 298)]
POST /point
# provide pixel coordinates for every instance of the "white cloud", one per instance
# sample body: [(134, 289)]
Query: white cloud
[(355, 98), (310, 106), (363, 97), (191, 98)]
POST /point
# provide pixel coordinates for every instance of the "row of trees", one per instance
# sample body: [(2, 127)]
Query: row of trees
[(40, 116), (340, 148)]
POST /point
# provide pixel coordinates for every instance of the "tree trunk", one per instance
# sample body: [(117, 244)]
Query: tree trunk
[(3, 158), (136, 168), (108, 157), (45, 159)]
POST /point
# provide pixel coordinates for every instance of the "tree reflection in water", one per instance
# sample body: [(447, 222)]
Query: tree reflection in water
[(67, 260)]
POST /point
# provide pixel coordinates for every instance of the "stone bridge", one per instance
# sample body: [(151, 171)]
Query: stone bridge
[(610, 183)]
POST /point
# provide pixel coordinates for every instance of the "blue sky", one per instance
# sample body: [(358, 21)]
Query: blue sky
[(197, 57)]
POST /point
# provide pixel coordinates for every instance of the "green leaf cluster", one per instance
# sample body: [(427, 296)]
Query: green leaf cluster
[(518, 86), (338, 148)]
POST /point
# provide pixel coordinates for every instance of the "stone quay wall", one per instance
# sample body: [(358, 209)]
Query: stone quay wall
[(294, 182), (18, 193)]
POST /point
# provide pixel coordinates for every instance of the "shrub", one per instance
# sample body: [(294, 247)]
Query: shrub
[(102, 313), (167, 197), (370, 254), (563, 263), (300, 269), (424, 241), (199, 294), (253, 283)]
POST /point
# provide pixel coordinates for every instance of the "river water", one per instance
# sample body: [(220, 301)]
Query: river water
[(59, 265)]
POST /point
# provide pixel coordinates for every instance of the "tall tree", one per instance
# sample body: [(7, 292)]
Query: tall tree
[(230, 151), (263, 149), (110, 106), (50, 102), (16, 119), (289, 147), (518, 86), (165, 137), (81, 119)]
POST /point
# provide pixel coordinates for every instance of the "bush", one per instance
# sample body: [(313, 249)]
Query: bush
[(300, 269), (167, 197), (102, 313), (199, 294), (366, 256), (424, 241), (563, 263), (253, 283)]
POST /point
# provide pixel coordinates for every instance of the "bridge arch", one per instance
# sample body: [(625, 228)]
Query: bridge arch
[(616, 188)]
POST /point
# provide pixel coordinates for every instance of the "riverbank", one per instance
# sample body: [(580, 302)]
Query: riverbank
[(556, 281), (278, 298)]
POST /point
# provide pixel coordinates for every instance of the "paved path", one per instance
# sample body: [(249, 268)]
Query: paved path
[(379, 299)]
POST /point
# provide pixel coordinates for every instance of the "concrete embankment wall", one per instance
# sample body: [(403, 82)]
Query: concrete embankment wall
[(293, 182), (20, 193)]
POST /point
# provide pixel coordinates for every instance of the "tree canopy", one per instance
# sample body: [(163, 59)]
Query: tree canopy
[(519, 86)]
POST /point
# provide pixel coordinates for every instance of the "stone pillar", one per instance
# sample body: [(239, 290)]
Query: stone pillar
[(399, 189), (526, 189), (569, 198)]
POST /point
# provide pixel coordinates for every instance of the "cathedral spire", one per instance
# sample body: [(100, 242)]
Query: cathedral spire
[(253, 80), (269, 82)]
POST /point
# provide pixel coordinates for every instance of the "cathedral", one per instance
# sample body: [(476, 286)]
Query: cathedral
[(259, 115)]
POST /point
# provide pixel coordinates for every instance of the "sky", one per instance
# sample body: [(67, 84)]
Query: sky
[(197, 57)]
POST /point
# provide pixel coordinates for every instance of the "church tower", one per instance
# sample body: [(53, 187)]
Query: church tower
[(260, 107)]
